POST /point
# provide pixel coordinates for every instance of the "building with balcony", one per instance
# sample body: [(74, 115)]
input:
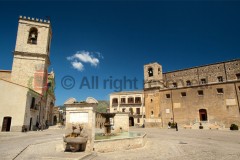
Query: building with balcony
[(131, 102)]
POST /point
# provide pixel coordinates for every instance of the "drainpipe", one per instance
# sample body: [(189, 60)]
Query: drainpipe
[(172, 105)]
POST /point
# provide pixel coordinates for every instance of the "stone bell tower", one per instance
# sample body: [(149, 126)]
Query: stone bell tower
[(152, 75), (31, 55)]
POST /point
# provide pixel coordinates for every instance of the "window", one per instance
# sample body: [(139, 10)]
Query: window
[(138, 100), (188, 83), (33, 102), (238, 88), (123, 110), (150, 72), (220, 90), (200, 92), (175, 85), (138, 110), (168, 96), (123, 100), (151, 100), (183, 94), (115, 101), (130, 100), (203, 81), (151, 112), (33, 35), (238, 76), (159, 71), (220, 79)]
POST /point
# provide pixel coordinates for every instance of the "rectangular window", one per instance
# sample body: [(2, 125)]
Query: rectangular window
[(123, 110), (183, 94), (130, 100), (238, 88), (123, 100), (238, 76), (203, 81), (138, 100), (168, 96), (220, 90), (115, 101), (33, 102), (200, 92), (138, 110), (220, 79)]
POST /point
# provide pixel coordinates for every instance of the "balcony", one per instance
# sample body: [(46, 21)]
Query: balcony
[(114, 104)]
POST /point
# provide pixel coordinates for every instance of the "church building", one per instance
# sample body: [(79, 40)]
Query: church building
[(27, 91)]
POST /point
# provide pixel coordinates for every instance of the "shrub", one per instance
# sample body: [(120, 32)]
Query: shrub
[(233, 127)]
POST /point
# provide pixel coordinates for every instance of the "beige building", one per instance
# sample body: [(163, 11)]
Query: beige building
[(206, 94), (131, 102), (27, 91)]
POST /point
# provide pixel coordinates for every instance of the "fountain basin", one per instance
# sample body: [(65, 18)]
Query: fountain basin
[(74, 144), (122, 141)]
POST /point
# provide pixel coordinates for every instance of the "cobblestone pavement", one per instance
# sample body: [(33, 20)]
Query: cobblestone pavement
[(161, 144)]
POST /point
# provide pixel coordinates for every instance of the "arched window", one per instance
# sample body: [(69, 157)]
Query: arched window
[(33, 35), (150, 72)]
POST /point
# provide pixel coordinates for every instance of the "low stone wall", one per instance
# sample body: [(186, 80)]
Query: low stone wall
[(110, 145)]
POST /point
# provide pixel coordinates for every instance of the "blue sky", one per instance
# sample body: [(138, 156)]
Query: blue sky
[(113, 40)]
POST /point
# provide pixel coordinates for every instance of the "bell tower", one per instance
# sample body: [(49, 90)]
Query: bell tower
[(31, 55), (152, 75)]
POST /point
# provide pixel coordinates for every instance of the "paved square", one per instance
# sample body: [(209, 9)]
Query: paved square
[(161, 144)]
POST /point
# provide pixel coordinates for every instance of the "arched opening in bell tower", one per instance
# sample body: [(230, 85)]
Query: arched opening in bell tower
[(33, 35), (150, 72)]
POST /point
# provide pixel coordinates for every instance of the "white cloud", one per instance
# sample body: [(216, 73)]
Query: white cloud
[(77, 65), (81, 57)]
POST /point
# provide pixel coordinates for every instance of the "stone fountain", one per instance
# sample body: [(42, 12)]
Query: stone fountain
[(107, 123), (75, 141)]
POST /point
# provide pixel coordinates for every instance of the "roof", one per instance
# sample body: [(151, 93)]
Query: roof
[(5, 70), (203, 65), (127, 92), (19, 85)]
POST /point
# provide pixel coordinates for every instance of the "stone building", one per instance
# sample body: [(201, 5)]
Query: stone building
[(206, 94), (131, 102), (27, 91)]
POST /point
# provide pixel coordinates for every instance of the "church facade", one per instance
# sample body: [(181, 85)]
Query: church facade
[(206, 95), (27, 91)]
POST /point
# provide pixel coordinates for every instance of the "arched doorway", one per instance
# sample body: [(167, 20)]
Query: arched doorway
[(131, 121), (203, 115), (54, 120), (6, 125)]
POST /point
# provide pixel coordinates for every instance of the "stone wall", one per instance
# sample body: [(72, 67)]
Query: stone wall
[(121, 123), (111, 145), (13, 104), (181, 104)]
